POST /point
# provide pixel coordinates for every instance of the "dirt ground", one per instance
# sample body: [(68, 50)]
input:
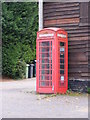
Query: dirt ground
[(19, 100)]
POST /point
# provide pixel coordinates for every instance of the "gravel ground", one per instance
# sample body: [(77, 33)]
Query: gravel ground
[(19, 100)]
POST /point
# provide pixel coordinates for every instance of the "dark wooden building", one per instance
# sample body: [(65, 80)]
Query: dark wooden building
[(73, 17)]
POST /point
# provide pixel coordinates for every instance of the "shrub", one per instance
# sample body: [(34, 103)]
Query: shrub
[(19, 27), (20, 70)]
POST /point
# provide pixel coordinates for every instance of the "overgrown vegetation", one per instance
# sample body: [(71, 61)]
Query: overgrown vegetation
[(19, 27)]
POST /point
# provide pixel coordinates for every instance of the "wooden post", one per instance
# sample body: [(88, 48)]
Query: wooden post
[(40, 14)]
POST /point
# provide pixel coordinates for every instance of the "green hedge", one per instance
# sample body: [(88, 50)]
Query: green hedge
[(19, 27)]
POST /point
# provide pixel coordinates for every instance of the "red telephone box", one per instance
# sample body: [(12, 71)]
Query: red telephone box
[(52, 61)]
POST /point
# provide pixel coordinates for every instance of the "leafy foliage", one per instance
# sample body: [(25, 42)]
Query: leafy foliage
[(19, 27)]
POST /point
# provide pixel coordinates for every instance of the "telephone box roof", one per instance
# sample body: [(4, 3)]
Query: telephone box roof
[(54, 29)]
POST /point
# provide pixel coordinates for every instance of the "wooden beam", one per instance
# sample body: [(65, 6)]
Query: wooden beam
[(40, 14), (61, 21)]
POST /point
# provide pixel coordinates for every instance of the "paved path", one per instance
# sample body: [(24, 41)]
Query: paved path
[(19, 100)]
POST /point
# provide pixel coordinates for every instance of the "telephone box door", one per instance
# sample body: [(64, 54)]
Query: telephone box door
[(62, 66), (45, 62)]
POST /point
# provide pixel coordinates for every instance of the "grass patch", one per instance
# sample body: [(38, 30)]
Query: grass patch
[(72, 93), (88, 90), (49, 96), (68, 93)]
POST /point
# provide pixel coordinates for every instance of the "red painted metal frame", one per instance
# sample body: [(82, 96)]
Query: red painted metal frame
[(40, 89), (55, 88)]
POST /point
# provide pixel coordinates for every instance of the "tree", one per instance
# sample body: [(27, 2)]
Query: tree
[(19, 27)]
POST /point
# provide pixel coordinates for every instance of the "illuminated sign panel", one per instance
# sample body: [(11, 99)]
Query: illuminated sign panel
[(46, 35), (61, 35)]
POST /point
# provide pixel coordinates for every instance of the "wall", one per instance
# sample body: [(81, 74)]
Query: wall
[(73, 17)]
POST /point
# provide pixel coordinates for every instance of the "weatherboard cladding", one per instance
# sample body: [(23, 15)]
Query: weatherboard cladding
[(72, 18)]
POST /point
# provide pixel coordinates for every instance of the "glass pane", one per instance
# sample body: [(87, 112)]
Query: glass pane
[(61, 43), (61, 71), (61, 60), (61, 55), (62, 66), (45, 83), (43, 77), (45, 63), (45, 71), (44, 44), (45, 66), (61, 50)]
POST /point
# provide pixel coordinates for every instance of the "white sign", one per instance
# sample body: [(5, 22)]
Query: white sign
[(62, 78), (61, 49), (46, 35), (61, 35)]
